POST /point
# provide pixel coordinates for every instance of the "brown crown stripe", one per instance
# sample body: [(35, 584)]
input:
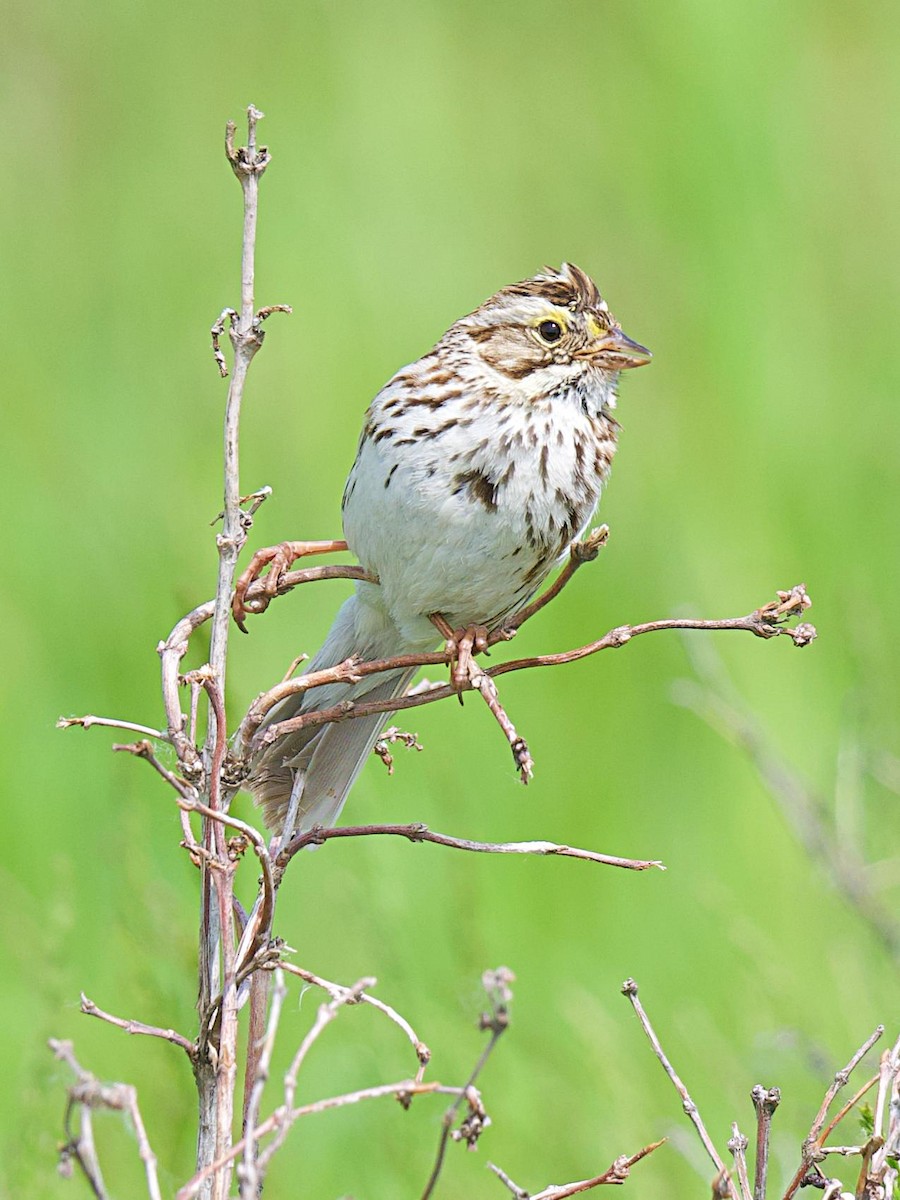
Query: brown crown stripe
[(563, 289)]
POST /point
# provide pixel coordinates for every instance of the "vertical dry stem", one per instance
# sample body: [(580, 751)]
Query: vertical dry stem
[(216, 1078)]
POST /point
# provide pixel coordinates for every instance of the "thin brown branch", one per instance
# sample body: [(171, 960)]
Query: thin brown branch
[(86, 1094), (248, 1172), (405, 1090), (811, 1144), (737, 1144), (579, 554), (487, 689), (144, 750), (630, 989), (765, 1101), (90, 1009), (171, 652), (421, 833), (883, 1170), (388, 738), (851, 1103), (111, 723), (617, 1173), (765, 622), (256, 929), (347, 995), (325, 1015), (497, 986)]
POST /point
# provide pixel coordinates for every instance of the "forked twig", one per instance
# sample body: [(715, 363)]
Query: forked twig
[(617, 1173), (812, 1143), (85, 1095), (630, 989), (354, 996), (765, 622)]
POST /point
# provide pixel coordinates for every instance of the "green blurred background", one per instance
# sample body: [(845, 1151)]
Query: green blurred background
[(729, 174)]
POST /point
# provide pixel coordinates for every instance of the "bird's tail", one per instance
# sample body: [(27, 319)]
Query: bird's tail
[(318, 765)]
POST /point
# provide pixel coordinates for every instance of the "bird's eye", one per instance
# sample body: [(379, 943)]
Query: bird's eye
[(550, 332)]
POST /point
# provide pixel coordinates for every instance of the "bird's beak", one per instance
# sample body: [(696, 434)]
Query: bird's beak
[(617, 350)]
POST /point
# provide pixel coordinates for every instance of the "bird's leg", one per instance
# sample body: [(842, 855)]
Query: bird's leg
[(279, 560), (463, 645)]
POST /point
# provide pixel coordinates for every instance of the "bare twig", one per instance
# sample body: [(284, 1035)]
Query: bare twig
[(765, 622), (579, 554), (144, 750), (248, 1172), (90, 1009), (421, 833), (89, 1093), (388, 738), (615, 1174), (765, 1101), (404, 1090), (325, 1015), (497, 986), (347, 995), (851, 1103), (879, 1173), (111, 723), (737, 1144), (487, 689), (630, 989), (811, 1143)]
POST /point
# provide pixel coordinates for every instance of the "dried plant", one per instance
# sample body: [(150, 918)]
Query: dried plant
[(878, 1151), (240, 954)]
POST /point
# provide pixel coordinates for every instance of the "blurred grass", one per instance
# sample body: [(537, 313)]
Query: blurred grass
[(729, 174)]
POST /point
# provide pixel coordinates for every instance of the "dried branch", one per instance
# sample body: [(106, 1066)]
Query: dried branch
[(737, 1144), (286, 1116), (421, 833), (630, 989), (765, 1101), (851, 1103), (111, 723), (404, 1090), (615, 1174), (345, 995), (248, 1172), (883, 1171), (388, 738), (90, 1009), (86, 1094), (497, 986), (765, 622), (579, 554), (811, 1143)]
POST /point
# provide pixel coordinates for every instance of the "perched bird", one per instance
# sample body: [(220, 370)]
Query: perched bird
[(477, 467)]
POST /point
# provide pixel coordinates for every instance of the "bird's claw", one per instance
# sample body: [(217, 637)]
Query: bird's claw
[(279, 560), (462, 646)]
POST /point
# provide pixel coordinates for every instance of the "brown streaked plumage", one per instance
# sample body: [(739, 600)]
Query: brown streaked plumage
[(477, 467)]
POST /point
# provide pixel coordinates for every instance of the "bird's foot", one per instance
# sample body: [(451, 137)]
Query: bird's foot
[(462, 645), (279, 559)]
